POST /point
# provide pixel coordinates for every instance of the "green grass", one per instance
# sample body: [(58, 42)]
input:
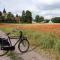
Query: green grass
[(14, 56), (47, 41)]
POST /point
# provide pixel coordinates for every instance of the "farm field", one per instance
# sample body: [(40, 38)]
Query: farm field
[(35, 27)]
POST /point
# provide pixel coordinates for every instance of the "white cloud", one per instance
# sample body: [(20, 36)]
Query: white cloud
[(46, 8), (45, 1)]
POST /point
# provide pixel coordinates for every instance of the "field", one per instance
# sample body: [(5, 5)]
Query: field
[(35, 27), (47, 36)]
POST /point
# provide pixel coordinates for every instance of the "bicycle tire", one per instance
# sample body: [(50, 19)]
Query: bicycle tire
[(3, 52), (19, 47)]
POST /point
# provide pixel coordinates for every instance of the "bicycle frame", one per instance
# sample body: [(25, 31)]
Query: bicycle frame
[(17, 42), (19, 39)]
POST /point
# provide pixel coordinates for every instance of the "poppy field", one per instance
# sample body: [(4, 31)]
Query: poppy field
[(35, 27)]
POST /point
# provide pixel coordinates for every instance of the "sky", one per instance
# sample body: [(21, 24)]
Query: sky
[(46, 8)]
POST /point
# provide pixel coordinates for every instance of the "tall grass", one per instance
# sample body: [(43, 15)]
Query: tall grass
[(47, 41)]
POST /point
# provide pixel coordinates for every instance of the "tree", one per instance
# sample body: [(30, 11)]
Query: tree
[(10, 17), (23, 16), (16, 15), (46, 21), (4, 15), (0, 16), (0, 13), (28, 16), (4, 11), (56, 19), (39, 18)]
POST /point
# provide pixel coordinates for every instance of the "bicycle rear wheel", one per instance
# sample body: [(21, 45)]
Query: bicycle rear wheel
[(23, 46), (3, 52)]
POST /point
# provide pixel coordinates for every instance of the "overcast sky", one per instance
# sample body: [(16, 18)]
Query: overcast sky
[(46, 8)]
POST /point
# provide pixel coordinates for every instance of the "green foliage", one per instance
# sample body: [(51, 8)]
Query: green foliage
[(23, 16), (4, 11), (26, 17), (14, 56), (29, 16), (0, 13), (46, 21), (56, 19), (39, 18), (7, 17), (10, 17)]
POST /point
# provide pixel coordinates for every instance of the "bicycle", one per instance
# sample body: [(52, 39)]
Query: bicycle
[(5, 46)]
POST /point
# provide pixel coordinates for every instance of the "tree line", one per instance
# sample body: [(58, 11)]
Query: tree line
[(10, 18), (26, 17)]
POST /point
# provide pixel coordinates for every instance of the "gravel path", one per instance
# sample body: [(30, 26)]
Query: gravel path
[(5, 58), (30, 55), (33, 56), (2, 35)]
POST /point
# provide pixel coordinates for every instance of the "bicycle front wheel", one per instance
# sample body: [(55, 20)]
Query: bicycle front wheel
[(3, 52), (23, 46)]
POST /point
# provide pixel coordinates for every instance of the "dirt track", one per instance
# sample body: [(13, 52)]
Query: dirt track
[(5, 58), (2, 34), (30, 55)]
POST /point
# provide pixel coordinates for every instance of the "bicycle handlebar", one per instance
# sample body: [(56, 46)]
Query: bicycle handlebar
[(15, 31)]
